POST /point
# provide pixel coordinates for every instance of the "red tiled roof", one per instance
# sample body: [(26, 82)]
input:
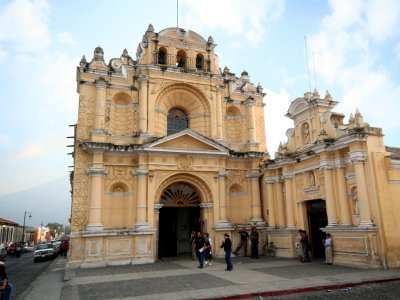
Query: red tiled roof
[(7, 222)]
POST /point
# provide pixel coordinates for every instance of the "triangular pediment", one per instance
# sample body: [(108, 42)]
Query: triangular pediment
[(187, 141)]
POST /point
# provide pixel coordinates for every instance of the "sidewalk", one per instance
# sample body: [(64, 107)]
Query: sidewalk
[(179, 278)]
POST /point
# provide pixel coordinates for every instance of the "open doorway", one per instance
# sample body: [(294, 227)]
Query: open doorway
[(317, 218), (175, 225)]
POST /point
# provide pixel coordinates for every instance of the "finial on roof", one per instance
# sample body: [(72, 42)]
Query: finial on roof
[(210, 40), (357, 113), (83, 61), (315, 94), (150, 28), (328, 96), (259, 88), (125, 52), (98, 54), (244, 73)]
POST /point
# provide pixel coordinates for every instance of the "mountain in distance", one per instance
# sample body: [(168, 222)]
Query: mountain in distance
[(47, 203)]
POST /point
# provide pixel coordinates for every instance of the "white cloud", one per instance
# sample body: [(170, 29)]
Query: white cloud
[(66, 38), (30, 151), (234, 17), (3, 55), (276, 124), (383, 19), (348, 54), (4, 138), (23, 24), (397, 50)]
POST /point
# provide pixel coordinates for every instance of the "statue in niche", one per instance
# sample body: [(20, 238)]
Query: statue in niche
[(306, 134), (354, 197), (312, 179)]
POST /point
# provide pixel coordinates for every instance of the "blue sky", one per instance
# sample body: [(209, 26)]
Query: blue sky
[(355, 46)]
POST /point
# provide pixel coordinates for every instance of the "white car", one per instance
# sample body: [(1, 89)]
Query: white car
[(44, 251)]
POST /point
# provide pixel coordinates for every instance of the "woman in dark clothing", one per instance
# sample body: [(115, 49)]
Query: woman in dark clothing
[(227, 245), (305, 242)]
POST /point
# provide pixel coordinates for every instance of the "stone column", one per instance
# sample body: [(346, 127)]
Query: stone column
[(271, 205), (218, 104), (255, 199), (101, 86), (157, 207), (96, 193), (345, 216), (143, 98), (223, 221), (141, 209), (250, 102), (280, 207), (330, 195), (289, 200), (358, 158)]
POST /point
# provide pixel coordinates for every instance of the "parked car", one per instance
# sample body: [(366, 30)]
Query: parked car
[(11, 248), (3, 251), (27, 248), (44, 251)]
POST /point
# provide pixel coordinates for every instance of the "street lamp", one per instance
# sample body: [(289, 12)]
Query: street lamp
[(23, 227)]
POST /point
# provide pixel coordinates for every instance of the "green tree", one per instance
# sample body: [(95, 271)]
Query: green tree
[(55, 228)]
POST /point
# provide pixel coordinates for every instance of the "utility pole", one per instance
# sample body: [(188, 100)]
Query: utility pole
[(23, 227)]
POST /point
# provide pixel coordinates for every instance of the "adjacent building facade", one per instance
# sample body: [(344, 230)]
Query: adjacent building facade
[(169, 143)]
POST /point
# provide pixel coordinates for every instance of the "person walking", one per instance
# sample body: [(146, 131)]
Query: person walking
[(244, 237), (5, 286), (207, 250), (227, 245), (305, 242), (254, 236), (200, 246), (328, 249)]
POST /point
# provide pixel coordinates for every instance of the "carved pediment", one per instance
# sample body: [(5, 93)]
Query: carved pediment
[(187, 141)]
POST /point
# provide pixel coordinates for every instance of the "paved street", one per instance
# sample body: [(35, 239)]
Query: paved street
[(179, 278), (22, 271)]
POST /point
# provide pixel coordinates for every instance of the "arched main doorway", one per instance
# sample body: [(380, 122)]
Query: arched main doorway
[(317, 219), (179, 215)]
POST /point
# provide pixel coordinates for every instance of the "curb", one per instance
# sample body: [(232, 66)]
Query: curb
[(302, 290)]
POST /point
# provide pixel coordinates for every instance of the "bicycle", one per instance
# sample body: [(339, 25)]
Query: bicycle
[(268, 248)]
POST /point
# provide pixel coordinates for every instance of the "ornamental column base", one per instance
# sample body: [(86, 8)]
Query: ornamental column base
[(257, 222), (222, 224), (366, 224), (139, 226), (94, 227)]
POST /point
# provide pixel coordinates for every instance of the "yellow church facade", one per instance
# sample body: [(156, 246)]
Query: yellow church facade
[(169, 143)]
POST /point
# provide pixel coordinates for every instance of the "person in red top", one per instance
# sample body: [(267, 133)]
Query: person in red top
[(64, 248)]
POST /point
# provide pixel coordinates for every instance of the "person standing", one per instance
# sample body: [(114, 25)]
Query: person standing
[(200, 244), (5, 286), (192, 244), (207, 250), (254, 236), (244, 237), (305, 243), (227, 245), (328, 249)]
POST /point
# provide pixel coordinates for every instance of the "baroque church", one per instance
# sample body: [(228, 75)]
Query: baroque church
[(170, 143)]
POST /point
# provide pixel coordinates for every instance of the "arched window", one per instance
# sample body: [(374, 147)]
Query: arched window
[(181, 59), (200, 61), (177, 121), (162, 56)]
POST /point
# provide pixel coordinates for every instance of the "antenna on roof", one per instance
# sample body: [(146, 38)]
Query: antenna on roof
[(315, 73), (177, 13), (308, 69)]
